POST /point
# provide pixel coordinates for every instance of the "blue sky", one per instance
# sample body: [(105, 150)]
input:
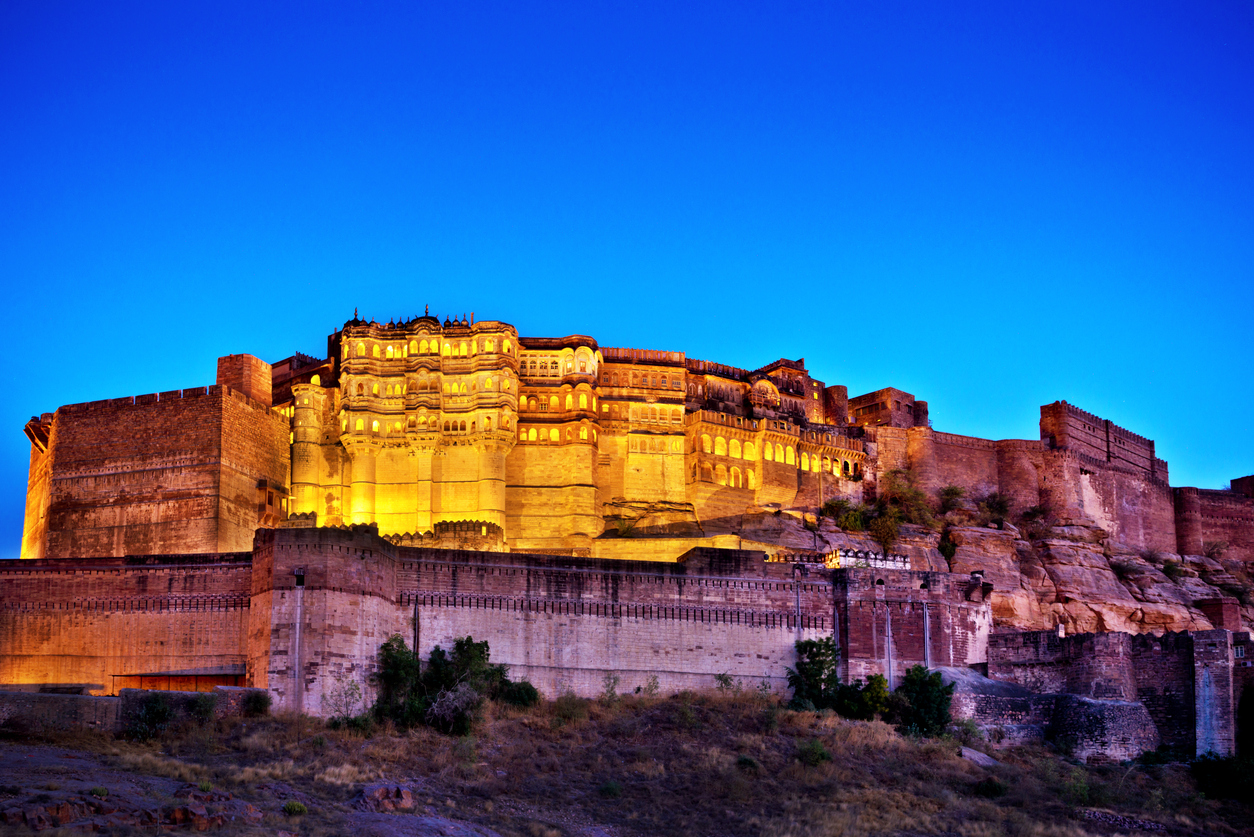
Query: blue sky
[(993, 206)]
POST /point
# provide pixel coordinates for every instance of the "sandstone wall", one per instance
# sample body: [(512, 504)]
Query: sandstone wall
[(174, 472), (1207, 518), (323, 601), (565, 623), (99, 623), (890, 620)]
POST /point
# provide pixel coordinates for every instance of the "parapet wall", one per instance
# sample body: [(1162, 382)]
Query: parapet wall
[(101, 623)]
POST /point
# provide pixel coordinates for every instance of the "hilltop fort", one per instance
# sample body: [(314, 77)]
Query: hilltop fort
[(592, 510)]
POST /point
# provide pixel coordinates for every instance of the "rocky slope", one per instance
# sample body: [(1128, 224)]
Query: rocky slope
[(1067, 574)]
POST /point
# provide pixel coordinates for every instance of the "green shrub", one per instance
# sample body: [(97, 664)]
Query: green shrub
[(257, 703), (885, 530), (989, 788), (151, 718), (927, 699), (947, 548), (203, 706), (569, 708), (910, 503), (814, 682), (294, 809), (520, 693), (749, 765), (99, 793), (812, 753), (1172, 570), (205, 786), (610, 789), (949, 497)]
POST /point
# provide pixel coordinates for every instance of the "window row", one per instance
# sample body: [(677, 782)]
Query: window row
[(425, 384), (423, 424), (553, 403), (644, 379), (645, 413), (735, 449), (722, 475), (431, 347), (553, 434)]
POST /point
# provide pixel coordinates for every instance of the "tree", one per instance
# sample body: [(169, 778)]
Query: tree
[(814, 682), (884, 530), (925, 710)]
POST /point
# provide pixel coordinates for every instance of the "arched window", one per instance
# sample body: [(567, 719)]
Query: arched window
[(720, 475), (531, 434), (751, 451), (583, 401), (462, 427), (736, 480), (720, 446), (749, 479), (553, 403), (733, 449), (505, 347), (553, 435), (570, 434), (374, 390), (768, 453), (374, 350), (779, 452), (705, 444), (827, 465), (390, 352), (533, 403), (360, 425), (790, 456), (522, 435), (422, 347), (489, 346), (413, 346), (570, 401), (707, 472), (461, 349), (844, 467), (374, 426), (361, 350), (805, 461), (583, 431), (361, 389)]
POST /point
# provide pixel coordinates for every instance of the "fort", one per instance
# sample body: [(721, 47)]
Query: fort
[(595, 512)]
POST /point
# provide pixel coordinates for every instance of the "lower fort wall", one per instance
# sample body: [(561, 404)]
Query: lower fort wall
[(101, 624)]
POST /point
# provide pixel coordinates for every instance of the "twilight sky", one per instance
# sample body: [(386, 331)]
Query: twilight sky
[(992, 206)]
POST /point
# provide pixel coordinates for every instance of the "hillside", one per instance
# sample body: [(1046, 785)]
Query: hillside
[(731, 763)]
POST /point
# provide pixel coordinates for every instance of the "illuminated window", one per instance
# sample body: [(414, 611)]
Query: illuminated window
[(374, 390), (487, 423), (533, 403), (461, 349), (705, 443), (736, 479), (374, 426), (461, 427), (583, 431), (583, 401), (827, 465), (790, 456), (505, 347), (360, 425), (805, 461), (594, 403), (448, 349), (751, 451), (779, 452), (553, 435), (374, 350), (553, 403), (570, 402), (720, 447), (316, 380), (489, 346), (733, 449), (390, 352), (422, 347), (361, 350)]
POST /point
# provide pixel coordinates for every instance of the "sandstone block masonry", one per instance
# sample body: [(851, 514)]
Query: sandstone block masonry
[(553, 441), (305, 612)]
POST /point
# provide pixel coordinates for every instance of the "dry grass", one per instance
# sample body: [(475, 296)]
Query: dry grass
[(691, 764)]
